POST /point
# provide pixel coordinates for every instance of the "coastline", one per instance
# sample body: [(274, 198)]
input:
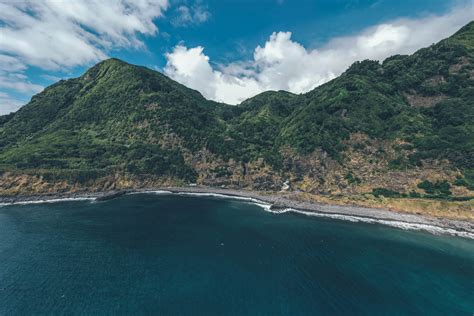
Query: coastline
[(276, 202)]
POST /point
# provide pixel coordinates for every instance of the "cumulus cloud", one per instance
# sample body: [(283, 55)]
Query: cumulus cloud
[(283, 64), (191, 67), (60, 34)]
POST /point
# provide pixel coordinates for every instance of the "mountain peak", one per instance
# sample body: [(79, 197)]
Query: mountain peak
[(113, 61), (102, 67)]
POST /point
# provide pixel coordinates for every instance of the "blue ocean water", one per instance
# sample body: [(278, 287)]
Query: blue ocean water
[(184, 255)]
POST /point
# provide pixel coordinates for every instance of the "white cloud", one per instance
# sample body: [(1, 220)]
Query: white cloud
[(9, 63), (18, 82), (12, 76), (60, 34), (54, 33), (189, 15), (191, 67), (283, 64), (8, 104)]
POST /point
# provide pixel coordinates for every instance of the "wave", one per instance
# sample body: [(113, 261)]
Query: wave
[(49, 201), (260, 203), (435, 230), (151, 192)]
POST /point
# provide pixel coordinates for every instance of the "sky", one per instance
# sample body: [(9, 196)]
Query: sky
[(228, 50)]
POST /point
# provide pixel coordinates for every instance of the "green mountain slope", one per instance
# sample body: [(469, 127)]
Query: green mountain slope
[(114, 116), (379, 126)]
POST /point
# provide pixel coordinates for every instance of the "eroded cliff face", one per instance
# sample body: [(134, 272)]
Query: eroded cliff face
[(28, 184), (366, 164), (213, 171)]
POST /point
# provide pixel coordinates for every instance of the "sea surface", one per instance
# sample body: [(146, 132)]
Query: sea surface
[(166, 254)]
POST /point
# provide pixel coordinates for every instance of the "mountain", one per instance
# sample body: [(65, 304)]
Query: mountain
[(402, 127), (116, 115)]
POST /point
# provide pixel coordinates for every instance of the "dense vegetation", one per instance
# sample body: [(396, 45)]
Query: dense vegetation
[(120, 117)]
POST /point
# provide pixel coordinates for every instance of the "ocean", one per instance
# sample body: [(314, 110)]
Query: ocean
[(167, 254)]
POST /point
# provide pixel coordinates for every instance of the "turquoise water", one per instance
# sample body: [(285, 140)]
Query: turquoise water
[(184, 255)]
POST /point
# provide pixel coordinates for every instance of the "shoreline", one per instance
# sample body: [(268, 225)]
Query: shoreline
[(275, 202)]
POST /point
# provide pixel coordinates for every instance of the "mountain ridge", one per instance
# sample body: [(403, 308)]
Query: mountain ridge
[(389, 125)]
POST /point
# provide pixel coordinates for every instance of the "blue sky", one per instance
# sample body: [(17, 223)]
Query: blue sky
[(228, 50)]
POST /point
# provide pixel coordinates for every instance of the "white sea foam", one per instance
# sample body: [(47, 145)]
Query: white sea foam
[(49, 201), (218, 195), (152, 192), (262, 204), (436, 230)]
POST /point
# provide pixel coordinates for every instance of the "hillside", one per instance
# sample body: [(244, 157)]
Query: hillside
[(400, 128), (116, 115)]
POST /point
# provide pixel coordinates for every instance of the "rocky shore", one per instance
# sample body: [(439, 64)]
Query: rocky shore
[(279, 202)]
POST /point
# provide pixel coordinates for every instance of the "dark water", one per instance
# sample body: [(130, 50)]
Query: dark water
[(175, 255)]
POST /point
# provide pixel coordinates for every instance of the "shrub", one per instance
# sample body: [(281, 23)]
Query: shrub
[(439, 187), (414, 194), (427, 186), (352, 179), (385, 192)]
